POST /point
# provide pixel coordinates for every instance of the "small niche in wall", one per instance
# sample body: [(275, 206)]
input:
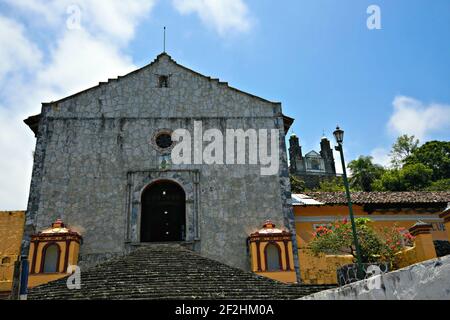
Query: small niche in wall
[(163, 81)]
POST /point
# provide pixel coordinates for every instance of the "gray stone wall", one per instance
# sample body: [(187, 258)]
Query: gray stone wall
[(312, 181), (428, 280), (94, 156)]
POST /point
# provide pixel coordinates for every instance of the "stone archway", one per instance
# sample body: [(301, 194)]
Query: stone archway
[(163, 212)]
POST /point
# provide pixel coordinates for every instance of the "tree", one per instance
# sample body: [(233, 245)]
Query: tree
[(389, 181), (403, 147), (435, 155), (331, 185), (297, 185), (439, 185), (364, 173), (416, 176), (337, 238), (411, 177)]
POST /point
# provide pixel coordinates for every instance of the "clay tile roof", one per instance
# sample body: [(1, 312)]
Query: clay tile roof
[(169, 272), (410, 197)]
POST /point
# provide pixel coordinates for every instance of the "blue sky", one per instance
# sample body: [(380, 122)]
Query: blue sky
[(317, 57)]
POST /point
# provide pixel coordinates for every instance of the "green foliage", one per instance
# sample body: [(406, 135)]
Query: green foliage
[(413, 168), (403, 147), (331, 185), (389, 181), (439, 185), (411, 177), (297, 185), (394, 240), (435, 155), (416, 176), (364, 173), (337, 238)]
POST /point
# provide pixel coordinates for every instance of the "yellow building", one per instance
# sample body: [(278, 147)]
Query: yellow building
[(51, 253), (271, 250), (385, 209), (11, 232), (271, 253)]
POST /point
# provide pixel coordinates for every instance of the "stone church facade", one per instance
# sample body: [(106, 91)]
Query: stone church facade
[(102, 164), (313, 167)]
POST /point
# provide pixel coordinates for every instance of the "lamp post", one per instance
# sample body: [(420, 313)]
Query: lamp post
[(339, 136)]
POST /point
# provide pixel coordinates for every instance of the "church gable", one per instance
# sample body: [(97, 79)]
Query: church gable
[(312, 154), (163, 88), (103, 155)]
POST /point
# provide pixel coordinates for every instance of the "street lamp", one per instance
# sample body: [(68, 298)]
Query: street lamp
[(339, 136)]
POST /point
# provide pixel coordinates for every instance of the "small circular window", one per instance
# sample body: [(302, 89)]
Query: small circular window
[(164, 140)]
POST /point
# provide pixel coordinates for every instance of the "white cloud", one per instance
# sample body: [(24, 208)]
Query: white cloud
[(80, 61), (413, 117), (115, 20), (75, 60), (15, 162), (337, 161), (222, 15), (381, 156), (39, 12), (17, 52)]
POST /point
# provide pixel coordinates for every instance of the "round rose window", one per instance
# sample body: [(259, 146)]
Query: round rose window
[(164, 140)]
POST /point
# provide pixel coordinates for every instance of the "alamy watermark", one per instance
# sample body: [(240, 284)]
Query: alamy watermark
[(373, 274), (236, 146), (74, 280), (73, 21), (374, 20)]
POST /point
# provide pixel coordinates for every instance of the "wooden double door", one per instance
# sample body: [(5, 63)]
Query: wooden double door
[(163, 215)]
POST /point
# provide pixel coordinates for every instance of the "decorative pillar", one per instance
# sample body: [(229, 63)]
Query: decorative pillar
[(64, 244), (424, 241), (446, 216), (271, 243)]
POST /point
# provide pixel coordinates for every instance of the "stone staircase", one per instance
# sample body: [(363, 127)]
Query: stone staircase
[(4, 295), (170, 272)]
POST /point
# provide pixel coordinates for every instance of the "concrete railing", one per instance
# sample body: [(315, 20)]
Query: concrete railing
[(427, 280)]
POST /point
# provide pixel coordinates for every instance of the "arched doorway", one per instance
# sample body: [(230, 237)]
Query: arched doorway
[(50, 256), (163, 213), (273, 260)]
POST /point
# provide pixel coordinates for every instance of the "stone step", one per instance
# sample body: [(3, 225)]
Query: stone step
[(163, 271)]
